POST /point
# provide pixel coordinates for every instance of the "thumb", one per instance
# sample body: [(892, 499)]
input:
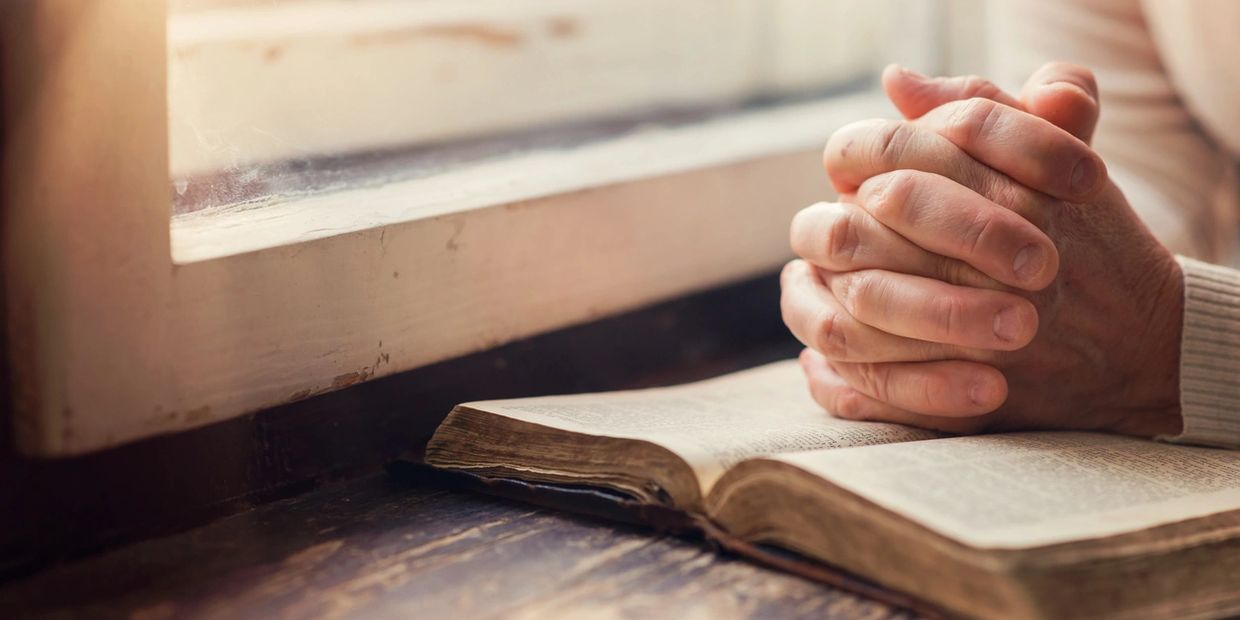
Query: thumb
[(1066, 95), (915, 94)]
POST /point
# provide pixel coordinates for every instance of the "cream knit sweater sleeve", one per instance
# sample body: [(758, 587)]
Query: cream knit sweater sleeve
[(1210, 355), (1169, 143)]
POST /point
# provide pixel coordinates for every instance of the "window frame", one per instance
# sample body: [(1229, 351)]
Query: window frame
[(112, 340), (257, 81)]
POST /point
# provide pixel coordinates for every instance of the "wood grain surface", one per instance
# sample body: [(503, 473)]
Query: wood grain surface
[(60, 509), (376, 547)]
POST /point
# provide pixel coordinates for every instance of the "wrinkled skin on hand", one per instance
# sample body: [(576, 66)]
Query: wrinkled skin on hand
[(982, 272)]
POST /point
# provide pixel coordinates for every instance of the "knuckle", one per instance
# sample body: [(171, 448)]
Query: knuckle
[(947, 315), (978, 227), (848, 404), (973, 119), (892, 143), (855, 290), (937, 393), (877, 380), (944, 269), (830, 337), (930, 394), (843, 239), (1006, 193), (890, 196)]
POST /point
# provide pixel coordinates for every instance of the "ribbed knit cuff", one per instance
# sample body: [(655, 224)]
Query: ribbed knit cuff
[(1210, 355)]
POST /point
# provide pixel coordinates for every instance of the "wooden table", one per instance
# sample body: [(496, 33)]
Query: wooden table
[(378, 547)]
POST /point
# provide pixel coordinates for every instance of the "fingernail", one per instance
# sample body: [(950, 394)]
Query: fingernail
[(980, 393), (1028, 263), (1084, 176), (1057, 84), (1007, 324)]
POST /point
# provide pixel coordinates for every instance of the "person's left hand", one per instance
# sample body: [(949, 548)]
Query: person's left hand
[(982, 273)]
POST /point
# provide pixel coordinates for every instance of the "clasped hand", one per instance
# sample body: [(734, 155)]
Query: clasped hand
[(981, 271)]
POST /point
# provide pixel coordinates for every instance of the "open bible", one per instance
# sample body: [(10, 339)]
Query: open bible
[(1033, 525)]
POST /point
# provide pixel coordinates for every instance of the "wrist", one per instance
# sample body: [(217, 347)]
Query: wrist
[(1154, 409)]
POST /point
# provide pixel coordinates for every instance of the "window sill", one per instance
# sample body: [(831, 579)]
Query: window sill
[(507, 181), (272, 305)]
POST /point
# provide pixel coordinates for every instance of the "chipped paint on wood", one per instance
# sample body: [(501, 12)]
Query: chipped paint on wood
[(198, 414), (484, 34), (300, 394), (562, 27), (352, 378)]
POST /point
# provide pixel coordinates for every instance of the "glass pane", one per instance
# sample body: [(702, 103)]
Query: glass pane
[(272, 98)]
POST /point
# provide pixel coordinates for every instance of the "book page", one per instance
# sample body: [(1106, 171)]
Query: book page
[(711, 424), (1031, 489)]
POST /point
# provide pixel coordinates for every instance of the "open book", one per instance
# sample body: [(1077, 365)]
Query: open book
[(1036, 525)]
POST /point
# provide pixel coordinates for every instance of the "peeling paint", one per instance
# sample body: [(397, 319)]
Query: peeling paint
[(562, 27), (199, 414), (273, 53), (351, 378), (518, 205), (485, 34), (458, 227)]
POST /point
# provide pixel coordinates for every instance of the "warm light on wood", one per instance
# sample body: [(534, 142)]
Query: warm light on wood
[(113, 340)]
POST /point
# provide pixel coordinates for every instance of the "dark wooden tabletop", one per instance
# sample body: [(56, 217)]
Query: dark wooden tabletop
[(378, 547)]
